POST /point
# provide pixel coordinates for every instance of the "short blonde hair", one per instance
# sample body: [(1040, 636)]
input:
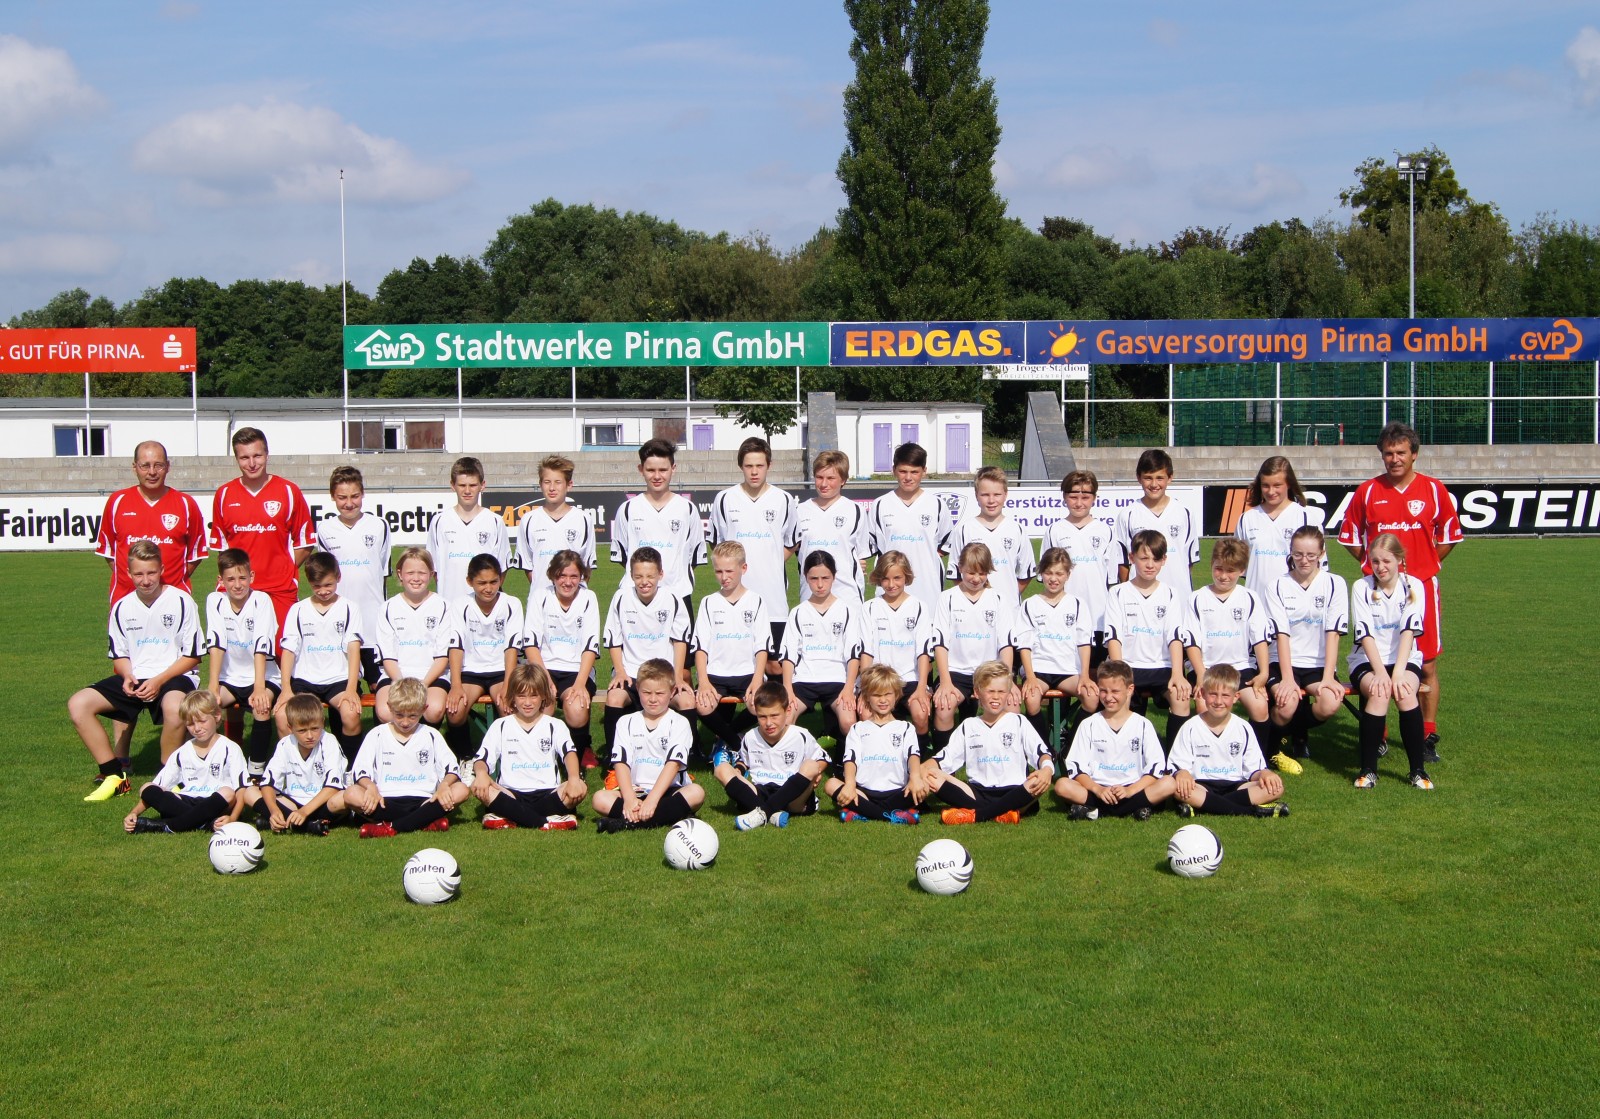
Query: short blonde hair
[(1220, 676), (729, 550), (197, 702), (407, 696), (879, 679), (988, 672)]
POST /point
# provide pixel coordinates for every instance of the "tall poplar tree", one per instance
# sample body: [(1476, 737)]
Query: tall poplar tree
[(922, 225)]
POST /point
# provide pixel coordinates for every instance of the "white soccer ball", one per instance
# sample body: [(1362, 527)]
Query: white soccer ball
[(236, 848), (432, 877), (1194, 851), (691, 844), (944, 867)]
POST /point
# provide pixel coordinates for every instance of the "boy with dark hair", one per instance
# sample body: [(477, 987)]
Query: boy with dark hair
[(912, 520), (776, 767), (268, 517), (1157, 512), (457, 533), (360, 542), (321, 652), (1090, 545), (302, 789), (1115, 766), (662, 520), (761, 518), (242, 662), (1142, 620)]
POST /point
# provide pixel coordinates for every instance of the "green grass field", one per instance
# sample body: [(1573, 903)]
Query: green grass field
[(1393, 953)]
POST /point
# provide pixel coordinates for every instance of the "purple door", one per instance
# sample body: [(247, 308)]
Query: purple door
[(957, 456), (704, 437), (882, 448), (910, 432)]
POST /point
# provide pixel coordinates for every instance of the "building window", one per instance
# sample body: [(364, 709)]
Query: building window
[(602, 435), (70, 442)]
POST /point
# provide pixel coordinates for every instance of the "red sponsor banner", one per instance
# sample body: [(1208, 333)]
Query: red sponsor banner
[(110, 349)]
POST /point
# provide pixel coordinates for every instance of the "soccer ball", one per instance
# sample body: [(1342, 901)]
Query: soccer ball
[(432, 877), (1194, 851), (236, 848), (944, 867), (691, 844)]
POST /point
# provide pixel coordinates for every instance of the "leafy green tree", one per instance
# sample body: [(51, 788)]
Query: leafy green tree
[(921, 221), (1380, 195), (1561, 268), (1291, 270)]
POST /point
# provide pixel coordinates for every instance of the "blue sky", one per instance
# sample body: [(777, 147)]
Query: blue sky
[(141, 141)]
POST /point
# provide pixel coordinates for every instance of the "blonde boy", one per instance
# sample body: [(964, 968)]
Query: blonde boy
[(1215, 761), (1009, 547), (302, 788), (456, 534)]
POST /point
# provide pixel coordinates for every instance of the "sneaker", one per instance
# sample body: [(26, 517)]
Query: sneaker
[(377, 831), (146, 826), (493, 822), (587, 759), (904, 816), (850, 817), (778, 819), (1185, 811), (441, 824), (953, 816), (611, 779), (752, 819), (721, 755), (1011, 817), (1367, 781), (1283, 763), (315, 827), (563, 822), (115, 785), (1420, 780), (1430, 748), (1266, 811), (1142, 812), (606, 825), (1082, 812), (1300, 746), (263, 822)]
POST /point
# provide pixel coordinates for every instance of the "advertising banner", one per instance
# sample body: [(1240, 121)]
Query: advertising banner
[(927, 343), (586, 345), (112, 349)]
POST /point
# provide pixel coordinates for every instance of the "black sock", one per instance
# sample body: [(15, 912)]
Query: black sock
[(116, 767), (1041, 723), (1266, 736), (420, 817), (582, 738), (955, 796), (609, 720), (459, 738), (787, 793), (1411, 737), (1128, 805), (349, 744), (263, 740), (671, 809), (1175, 723), (1015, 797), (743, 794), (924, 741), (1371, 738), (1236, 803), (941, 738)]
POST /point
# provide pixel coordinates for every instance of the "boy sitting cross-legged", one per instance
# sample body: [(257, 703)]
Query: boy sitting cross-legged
[(303, 787), (777, 765), (651, 755), (1216, 762), (1115, 766), (208, 769), (996, 748), (404, 777), (526, 771)]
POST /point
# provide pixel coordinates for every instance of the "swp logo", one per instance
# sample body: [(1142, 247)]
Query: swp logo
[(382, 351)]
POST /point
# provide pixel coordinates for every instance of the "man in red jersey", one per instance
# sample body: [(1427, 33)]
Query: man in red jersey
[(1421, 512), (152, 510), (268, 518)]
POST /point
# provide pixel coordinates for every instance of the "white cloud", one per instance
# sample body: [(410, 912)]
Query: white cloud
[(1583, 55), (38, 86), (62, 254), (1266, 186), (1097, 167), (242, 154)]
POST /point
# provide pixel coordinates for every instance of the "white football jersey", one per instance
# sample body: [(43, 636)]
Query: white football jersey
[(972, 632), (882, 754), (484, 638), (820, 644), (562, 634), (1231, 754), (773, 763), (1269, 537), (1225, 630), (526, 759), (841, 531), (414, 636), (540, 536), (241, 634), (646, 750), (362, 550), (1095, 556), (320, 641), (1146, 624), (730, 634), (1008, 546), (920, 529), (1308, 614), (412, 768), (453, 542), (996, 755), (645, 630), (301, 777), (151, 637), (1055, 633), (764, 525), (222, 767), (1183, 541), (898, 635), (1384, 616), (675, 530), (1116, 757)]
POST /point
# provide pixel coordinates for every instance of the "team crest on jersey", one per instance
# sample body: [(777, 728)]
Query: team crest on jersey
[(1321, 601), (838, 522), (1005, 739), (483, 537), (749, 617), (499, 625), (911, 623), (166, 620), (1235, 748), (927, 519), (249, 625), (771, 515), (838, 628), (572, 536), (339, 626), (1094, 542), (169, 521), (661, 615), (1238, 614), (661, 740), (422, 757), (1161, 612), (988, 617), (273, 508), (1006, 543), (370, 540), (317, 767), (430, 622), (1416, 506), (788, 757), (677, 526), (216, 769), (1173, 530)]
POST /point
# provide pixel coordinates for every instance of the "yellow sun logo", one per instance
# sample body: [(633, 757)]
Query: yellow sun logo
[(1063, 341)]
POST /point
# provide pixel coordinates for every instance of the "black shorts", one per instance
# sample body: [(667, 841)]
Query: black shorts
[(1305, 677), (324, 692), (1054, 680), (777, 642), (442, 683), (1365, 670), (371, 667), (734, 686), (961, 682), (1152, 680), (241, 693), (565, 680), (125, 709), (484, 680), (824, 694), (1222, 788)]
